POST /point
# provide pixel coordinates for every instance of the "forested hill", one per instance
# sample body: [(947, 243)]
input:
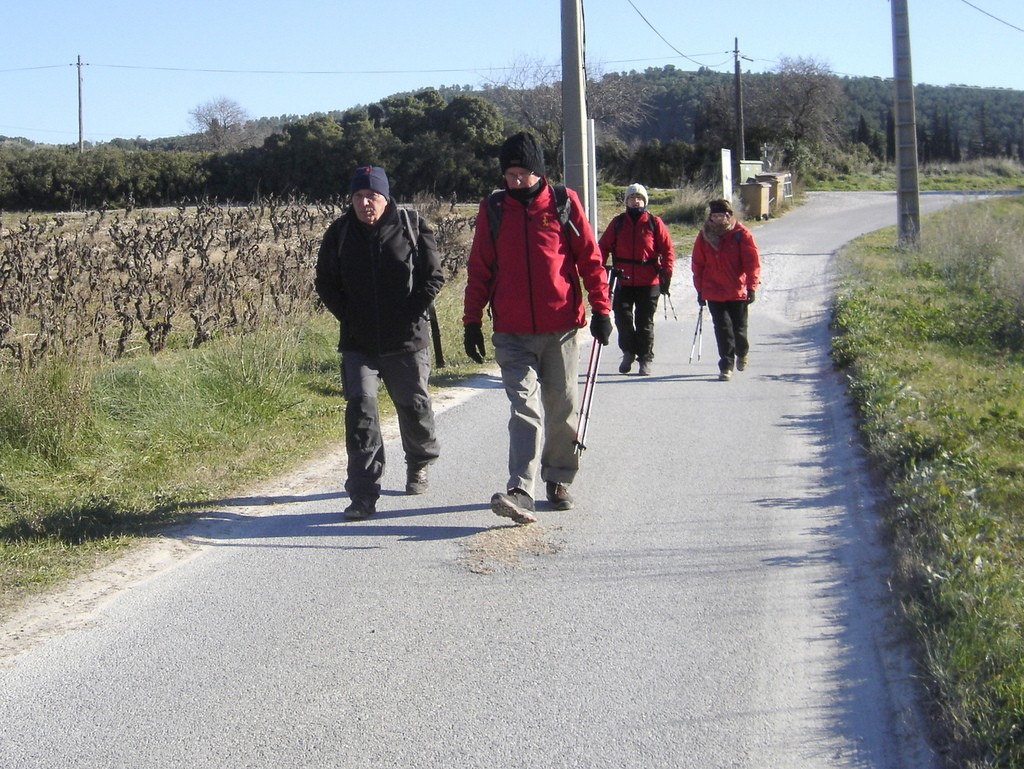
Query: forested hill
[(682, 105), (663, 125)]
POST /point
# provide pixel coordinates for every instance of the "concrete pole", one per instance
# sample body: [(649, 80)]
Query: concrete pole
[(908, 209), (81, 122), (574, 109)]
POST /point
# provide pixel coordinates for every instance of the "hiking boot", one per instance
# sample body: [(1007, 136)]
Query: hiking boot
[(645, 368), (741, 363), (725, 375), (627, 363), (360, 508), (515, 504), (416, 480), (559, 496)]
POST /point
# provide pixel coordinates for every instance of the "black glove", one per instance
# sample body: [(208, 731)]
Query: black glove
[(750, 296), (601, 327), (473, 340), (663, 283), (700, 300)]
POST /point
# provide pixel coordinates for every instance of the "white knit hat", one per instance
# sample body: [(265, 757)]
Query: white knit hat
[(637, 189)]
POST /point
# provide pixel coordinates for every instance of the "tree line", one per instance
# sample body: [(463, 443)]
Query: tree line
[(663, 126)]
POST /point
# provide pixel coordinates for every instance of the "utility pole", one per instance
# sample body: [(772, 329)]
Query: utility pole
[(741, 148), (81, 133), (908, 210), (574, 108)]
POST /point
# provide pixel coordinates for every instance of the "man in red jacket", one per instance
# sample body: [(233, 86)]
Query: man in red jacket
[(532, 245), (641, 251), (726, 273)]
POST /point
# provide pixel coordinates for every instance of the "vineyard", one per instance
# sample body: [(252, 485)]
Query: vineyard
[(116, 282)]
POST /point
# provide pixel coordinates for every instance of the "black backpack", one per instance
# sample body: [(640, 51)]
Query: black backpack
[(496, 207)]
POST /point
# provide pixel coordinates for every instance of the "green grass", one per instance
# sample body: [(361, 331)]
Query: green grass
[(972, 176), (932, 346), (96, 455)]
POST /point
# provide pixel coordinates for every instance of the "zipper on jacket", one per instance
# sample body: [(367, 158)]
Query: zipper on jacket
[(376, 250), (529, 270)]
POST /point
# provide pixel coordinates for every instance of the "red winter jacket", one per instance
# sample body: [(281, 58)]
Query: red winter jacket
[(640, 248), (725, 273), (530, 274)]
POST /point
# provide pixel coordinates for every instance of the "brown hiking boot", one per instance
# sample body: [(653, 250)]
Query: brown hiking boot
[(559, 496)]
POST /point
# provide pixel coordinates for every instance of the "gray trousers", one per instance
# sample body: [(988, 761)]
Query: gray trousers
[(540, 373), (405, 375)]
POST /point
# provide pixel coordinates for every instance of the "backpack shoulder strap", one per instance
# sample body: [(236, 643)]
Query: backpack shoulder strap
[(411, 224), (562, 203), (495, 208), (342, 232)]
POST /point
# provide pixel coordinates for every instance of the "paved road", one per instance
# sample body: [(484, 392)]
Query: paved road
[(716, 600)]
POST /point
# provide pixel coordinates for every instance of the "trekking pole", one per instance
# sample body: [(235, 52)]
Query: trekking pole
[(668, 303), (698, 337), (580, 443), (588, 398)]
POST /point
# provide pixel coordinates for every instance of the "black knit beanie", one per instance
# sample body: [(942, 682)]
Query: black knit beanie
[(522, 151), (370, 178)]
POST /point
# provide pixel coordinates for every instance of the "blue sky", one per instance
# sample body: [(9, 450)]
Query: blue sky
[(147, 65)]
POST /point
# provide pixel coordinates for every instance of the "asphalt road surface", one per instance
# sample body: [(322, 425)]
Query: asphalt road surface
[(716, 599)]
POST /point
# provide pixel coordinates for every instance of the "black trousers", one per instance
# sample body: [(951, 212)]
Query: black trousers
[(405, 375), (634, 308), (730, 320)]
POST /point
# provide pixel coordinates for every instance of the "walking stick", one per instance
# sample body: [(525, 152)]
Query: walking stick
[(698, 337), (588, 397), (668, 303), (580, 443)]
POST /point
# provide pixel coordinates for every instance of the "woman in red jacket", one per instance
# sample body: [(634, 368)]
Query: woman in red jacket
[(641, 252), (726, 273)]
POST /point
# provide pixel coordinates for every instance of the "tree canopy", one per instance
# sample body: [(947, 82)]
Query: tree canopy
[(663, 126)]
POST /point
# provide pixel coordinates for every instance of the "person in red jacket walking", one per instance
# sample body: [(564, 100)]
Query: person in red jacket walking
[(526, 262), (726, 273), (641, 252)]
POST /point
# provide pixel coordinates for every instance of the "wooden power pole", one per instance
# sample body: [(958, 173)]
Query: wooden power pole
[(908, 205), (741, 147)]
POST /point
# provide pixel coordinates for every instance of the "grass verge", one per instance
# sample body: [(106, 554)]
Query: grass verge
[(932, 344), (95, 455)]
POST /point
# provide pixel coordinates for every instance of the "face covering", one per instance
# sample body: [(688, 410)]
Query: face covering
[(525, 194)]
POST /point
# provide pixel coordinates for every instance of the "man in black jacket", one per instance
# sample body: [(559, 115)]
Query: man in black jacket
[(378, 271)]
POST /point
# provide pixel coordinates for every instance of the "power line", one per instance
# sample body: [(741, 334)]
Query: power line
[(991, 16), (304, 72), (29, 69), (662, 36), (268, 71)]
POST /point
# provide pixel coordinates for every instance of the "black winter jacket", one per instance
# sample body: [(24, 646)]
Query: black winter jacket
[(376, 285)]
